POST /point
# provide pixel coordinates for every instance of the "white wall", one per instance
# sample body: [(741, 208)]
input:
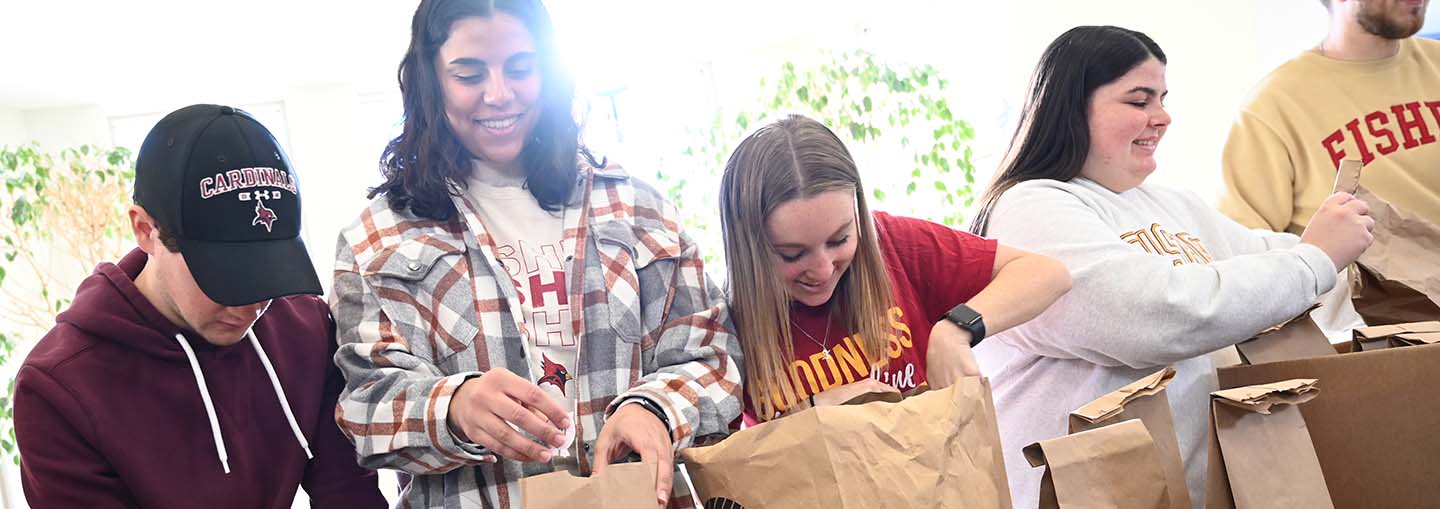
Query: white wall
[(67, 127), (333, 163), (1217, 51), (12, 127)]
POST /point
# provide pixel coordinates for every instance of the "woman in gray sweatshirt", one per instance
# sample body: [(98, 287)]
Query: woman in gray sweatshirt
[(1160, 278)]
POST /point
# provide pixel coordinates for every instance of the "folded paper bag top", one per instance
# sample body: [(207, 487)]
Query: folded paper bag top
[(1145, 399), (1115, 466), (1111, 404), (1260, 398), (1397, 279), (940, 449), (622, 486)]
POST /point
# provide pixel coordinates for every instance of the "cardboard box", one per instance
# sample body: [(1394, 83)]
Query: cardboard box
[(1376, 430)]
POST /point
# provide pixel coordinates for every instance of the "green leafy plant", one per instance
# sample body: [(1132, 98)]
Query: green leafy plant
[(879, 109), (60, 215)]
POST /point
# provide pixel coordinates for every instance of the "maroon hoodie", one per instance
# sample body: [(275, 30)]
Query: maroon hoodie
[(108, 412)]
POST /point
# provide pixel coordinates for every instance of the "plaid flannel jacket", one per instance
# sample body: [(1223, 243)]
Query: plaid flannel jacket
[(422, 305)]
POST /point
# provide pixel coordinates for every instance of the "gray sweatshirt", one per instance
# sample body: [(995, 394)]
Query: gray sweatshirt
[(1160, 279)]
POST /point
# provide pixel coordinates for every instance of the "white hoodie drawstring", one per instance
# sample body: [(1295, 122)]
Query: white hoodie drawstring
[(209, 405), (280, 394)]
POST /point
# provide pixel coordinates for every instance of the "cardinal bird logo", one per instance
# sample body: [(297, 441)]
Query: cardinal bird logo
[(554, 374), (263, 215)]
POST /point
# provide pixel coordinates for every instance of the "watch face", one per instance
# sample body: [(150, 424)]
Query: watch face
[(963, 314)]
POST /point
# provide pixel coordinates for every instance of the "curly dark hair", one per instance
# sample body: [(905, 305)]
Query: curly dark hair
[(419, 164)]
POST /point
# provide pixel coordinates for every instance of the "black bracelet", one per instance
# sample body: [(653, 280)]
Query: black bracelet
[(653, 408), (812, 400)]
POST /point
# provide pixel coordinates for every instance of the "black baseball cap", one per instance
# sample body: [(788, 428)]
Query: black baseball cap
[(217, 181)]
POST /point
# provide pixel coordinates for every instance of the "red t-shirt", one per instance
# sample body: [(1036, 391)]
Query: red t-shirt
[(932, 268)]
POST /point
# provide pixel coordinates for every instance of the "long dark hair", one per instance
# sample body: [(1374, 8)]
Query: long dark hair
[(419, 164), (1053, 137)]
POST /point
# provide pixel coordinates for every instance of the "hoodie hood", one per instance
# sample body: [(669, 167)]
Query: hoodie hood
[(110, 307)]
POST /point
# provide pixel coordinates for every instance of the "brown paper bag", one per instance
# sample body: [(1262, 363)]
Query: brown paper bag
[(939, 449), (1269, 460), (1298, 338), (1144, 400), (1396, 280), (1402, 334), (623, 486), (1116, 466)]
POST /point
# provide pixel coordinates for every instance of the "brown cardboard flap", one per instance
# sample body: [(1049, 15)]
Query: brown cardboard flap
[(1402, 334), (1261, 398), (1111, 404), (1384, 331), (1415, 339), (1112, 466), (1374, 430), (1297, 338), (622, 486), (1347, 177)]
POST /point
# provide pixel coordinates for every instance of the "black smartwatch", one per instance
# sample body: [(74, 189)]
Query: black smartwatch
[(969, 319)]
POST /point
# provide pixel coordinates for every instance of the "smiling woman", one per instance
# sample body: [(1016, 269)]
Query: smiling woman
[(1160, 278), (491, 88), (502, 280), (903, 297), (479, 87)]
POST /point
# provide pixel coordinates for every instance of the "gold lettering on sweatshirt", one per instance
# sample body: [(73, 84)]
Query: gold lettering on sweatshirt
[(1181, 248)]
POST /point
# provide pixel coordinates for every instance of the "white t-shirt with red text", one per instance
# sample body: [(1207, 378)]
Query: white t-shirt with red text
[(530, 241)]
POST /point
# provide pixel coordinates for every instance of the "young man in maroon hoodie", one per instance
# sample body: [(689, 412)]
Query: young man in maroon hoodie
[(197, 371)]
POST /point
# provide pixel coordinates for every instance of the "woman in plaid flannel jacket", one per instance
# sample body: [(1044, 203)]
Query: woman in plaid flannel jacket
[(433, 344)]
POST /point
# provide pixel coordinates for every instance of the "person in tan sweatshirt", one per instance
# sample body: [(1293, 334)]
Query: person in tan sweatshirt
[(1369, 91)]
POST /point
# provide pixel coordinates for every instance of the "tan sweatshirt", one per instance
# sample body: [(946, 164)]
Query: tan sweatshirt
[(1314, 111)]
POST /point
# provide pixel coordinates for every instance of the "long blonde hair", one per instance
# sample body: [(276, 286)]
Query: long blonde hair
[(790, 159)]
